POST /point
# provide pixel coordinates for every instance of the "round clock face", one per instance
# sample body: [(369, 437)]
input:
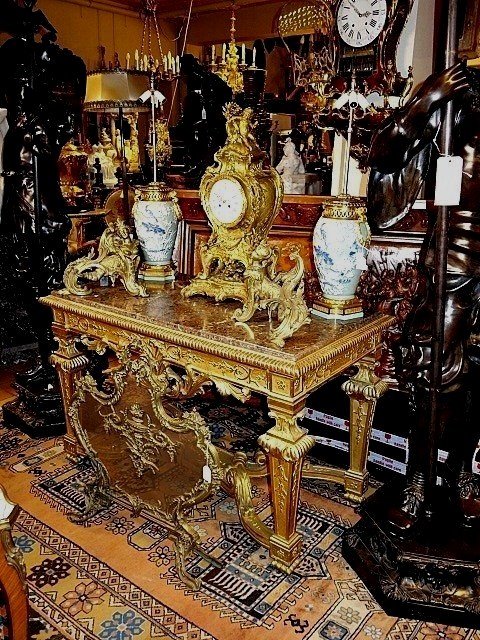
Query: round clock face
[(359, 22), (227, 200)]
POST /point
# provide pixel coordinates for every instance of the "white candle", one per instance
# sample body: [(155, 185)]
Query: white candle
[(224, 51), (243, 53), (157, 63), (128, 61), (136, 59), (169, 60), (165, 64), (254, 56), (145, 63), (178, 65), (214, 53)]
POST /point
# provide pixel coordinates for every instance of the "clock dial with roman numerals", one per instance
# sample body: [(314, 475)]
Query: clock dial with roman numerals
[(227, 201), (360, 22)]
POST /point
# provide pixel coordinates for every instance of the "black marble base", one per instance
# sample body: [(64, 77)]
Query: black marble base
[(37, 411), (432, 575)]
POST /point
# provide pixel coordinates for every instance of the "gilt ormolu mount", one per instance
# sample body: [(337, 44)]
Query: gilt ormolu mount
[(241, 199), (118, 257)]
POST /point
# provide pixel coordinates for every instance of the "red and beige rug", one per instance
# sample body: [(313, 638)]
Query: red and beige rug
[(115, 578)]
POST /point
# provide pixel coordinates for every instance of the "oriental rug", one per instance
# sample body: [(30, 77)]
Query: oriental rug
[(115, 579)]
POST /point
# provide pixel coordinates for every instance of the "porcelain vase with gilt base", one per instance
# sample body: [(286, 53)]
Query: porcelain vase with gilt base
[(340, 240), (156, 214)]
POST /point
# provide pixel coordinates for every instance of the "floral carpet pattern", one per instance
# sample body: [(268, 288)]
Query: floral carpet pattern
[(115, 578)]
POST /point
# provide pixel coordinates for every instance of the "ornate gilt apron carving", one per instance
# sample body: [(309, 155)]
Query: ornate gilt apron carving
[(139, 448)]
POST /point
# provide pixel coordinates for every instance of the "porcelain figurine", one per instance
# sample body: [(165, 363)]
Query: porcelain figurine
[(291, 169)]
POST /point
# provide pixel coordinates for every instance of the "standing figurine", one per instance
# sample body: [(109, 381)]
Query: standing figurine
[(43, 87), (291, 169), (400, 158)]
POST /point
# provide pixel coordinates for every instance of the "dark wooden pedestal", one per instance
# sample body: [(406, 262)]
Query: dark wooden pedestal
[(432, 575)]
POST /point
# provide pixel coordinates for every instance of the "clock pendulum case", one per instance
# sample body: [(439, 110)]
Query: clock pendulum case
[(359, 24), (367, 32), (241, 199)]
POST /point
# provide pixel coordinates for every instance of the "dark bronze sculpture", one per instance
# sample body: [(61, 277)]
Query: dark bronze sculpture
[(18, 18), (400, 157), (411, 546), (42, 86), (201, 129)]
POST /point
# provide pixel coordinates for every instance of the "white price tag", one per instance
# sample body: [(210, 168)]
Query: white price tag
[(449, 181), (207, 473)]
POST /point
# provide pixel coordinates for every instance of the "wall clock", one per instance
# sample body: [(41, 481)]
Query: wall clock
[(360, 22), (368, 32)]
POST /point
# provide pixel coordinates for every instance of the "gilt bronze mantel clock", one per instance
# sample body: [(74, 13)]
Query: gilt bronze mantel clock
[(241, 199)]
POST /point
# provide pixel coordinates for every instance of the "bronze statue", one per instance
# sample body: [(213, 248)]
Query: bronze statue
[(42, 86), (400, 158), (18, 18), (201, 129), (43, 92)]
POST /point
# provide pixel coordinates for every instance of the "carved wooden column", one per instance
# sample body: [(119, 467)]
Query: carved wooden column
[(285, 445), (364, 389), (70, 363)]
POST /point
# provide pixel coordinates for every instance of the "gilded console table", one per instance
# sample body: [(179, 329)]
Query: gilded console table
[(169, 348)]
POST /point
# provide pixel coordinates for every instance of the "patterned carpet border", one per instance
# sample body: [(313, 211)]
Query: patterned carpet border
[(58, 557)]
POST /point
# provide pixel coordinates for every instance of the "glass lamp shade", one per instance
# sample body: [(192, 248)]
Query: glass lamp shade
[(108, 90)]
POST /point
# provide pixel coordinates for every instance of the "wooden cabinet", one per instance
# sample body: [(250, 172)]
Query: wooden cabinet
[(294, 224)]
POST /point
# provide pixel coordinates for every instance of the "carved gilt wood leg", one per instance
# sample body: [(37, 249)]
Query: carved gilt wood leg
[(364, 388), (236, 481), (185, 540), (285, 445), (141, 448), (70, 364)]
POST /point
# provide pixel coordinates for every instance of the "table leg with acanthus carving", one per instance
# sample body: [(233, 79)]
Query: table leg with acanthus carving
[(70, 364), (285, 445), (364, 388)]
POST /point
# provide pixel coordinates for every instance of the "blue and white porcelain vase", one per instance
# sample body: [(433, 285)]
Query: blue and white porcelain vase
[(156, 214), (340, 241)]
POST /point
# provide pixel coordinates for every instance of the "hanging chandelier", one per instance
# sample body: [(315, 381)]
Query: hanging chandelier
[(230, 67), (313, 63), (115, 85), (167, 66)]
